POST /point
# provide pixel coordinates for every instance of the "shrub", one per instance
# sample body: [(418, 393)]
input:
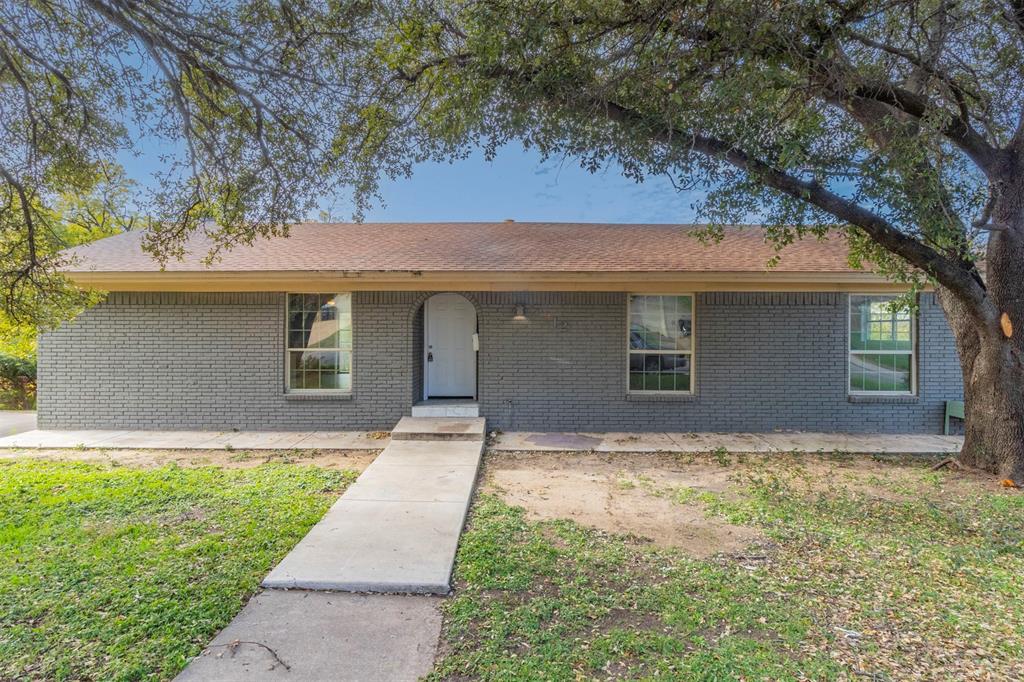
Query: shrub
[(17, 383)]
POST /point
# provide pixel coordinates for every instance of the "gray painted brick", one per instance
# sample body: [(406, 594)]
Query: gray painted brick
[(764, 361)]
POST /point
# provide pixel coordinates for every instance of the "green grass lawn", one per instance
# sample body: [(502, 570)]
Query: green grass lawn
[(115, 573), (900, 580)]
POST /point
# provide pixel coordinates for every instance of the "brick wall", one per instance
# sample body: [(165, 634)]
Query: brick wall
[(764, 361), (215, 361)]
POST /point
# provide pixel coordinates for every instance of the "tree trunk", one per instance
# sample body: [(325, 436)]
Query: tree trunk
[(993, 396), (992, 353)]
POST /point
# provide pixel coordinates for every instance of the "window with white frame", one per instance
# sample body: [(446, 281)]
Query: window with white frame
[(660, 343), (319, 342), (882, 341)]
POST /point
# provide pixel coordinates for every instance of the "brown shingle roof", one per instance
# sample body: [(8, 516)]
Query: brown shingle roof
[(481, 247)]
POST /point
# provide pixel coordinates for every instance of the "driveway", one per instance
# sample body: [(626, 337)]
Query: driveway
[(16, 421)]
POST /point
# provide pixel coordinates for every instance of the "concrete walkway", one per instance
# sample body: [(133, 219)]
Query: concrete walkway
[(306, 636), (397, 527)]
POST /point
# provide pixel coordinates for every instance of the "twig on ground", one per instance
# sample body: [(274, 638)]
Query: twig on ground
[(949, 461), (233, 646), (954, 463)]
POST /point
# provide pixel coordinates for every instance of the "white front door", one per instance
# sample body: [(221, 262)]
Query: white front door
[(450, 356)]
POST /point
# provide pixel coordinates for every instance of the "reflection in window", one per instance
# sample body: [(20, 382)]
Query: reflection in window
[(319, 342), (881, 346), (660, 343)]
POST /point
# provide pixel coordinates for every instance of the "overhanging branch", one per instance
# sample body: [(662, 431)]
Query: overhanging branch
[(881, 231), (956, 129)]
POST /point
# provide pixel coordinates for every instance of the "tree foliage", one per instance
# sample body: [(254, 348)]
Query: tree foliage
[(241, 95), (17, 382), (891, 117), (888, 115)]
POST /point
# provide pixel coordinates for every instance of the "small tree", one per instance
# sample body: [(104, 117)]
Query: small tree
[(898, 119)]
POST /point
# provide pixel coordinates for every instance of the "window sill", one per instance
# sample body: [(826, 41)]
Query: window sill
[(661, 397), (883, 399), (318, 396)]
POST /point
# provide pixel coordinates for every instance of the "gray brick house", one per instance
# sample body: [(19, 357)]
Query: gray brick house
[(580, 327)]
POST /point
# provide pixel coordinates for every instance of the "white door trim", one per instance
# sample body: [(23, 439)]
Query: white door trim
[(470, 382)]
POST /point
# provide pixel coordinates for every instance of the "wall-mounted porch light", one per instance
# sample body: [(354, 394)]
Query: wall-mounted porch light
[(520, 313)]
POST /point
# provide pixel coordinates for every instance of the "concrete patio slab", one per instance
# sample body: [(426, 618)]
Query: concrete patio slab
[(878, 444), (814, 442), (526, 440), (298, 635), (59, 439), (634, 442), (731, 442), (709, 442), (198, 440), (257, 440), (169, 440), (345, 440)]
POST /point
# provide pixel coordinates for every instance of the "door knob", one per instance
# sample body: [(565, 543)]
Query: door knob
[(430, 357)]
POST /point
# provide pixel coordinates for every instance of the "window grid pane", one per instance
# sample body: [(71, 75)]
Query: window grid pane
[(659, 346), (660, 323), (881, 347), (319, 342), (874, 327)]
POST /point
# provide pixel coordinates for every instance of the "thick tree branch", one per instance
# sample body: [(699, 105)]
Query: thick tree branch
[(956, 128), (844, 83), (948, 273)]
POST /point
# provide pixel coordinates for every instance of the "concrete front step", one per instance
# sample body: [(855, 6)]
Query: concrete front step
[(443, 407), (439, 429)]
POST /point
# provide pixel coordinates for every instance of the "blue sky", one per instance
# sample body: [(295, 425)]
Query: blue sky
[(516, 184)]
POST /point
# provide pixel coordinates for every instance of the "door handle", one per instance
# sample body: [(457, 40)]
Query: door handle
[(430, 357)]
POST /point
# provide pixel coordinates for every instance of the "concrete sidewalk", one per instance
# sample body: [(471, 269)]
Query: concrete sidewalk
[(396, 528)]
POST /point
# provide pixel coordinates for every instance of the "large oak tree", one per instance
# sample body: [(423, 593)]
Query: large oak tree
[(900, 121)]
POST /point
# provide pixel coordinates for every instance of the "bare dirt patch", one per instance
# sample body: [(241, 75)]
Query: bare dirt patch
[(631, 494), (353, 460), (655, 496)]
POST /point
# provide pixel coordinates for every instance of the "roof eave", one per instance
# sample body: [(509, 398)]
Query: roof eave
[(320, 280)]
